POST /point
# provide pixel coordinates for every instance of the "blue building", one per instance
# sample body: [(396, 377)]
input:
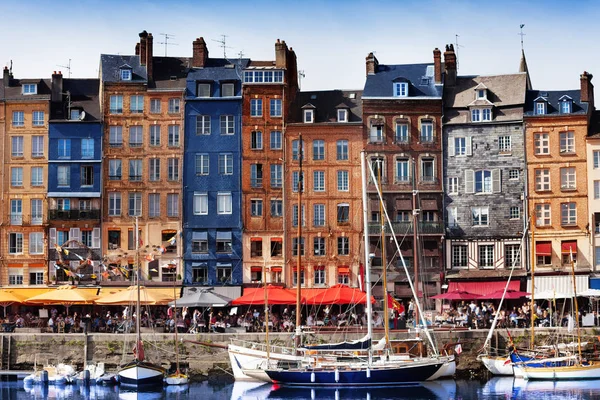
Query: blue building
[(74, 179), (212, 171)]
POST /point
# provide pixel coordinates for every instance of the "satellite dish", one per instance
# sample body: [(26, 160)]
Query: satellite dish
[(82, 116)]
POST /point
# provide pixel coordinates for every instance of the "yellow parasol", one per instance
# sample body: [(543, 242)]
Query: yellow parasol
[(129, 296), (66, 295), (8, 297)]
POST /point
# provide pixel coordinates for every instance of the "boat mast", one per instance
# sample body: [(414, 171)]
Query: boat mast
[(576, 305), (415, 236), (137, 304), (266, 298), (383, 261), (532, 225), (299, 246), (176, 340), (367, 269)]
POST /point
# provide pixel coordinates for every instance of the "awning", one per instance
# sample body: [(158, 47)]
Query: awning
[(482, 288), (429, 204), (276, 269), (200, 235), (557, 284), (224, 235), (543, 249), (402, 204), (256, 239), (27, 293), (15, 265), (568, 246), (296, 268), (343, 270), (199, 265), (233, 292), (319, 267), (37, 265), (256, 269), (276, 239), (165, 292)]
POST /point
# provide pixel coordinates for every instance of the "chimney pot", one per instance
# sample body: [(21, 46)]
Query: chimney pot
[(587, 89), (199, 53), (149, 55), (372, 64), (450, 65), (437, 65), (57, 87)]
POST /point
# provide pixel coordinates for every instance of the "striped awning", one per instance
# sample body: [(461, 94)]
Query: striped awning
[(546, 286)]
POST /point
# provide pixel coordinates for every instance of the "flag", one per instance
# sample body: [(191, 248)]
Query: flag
[(66, 252), (395, 304), (57, 247), (458, 348), (150, 257), (105, 274), (173, 240), (124, 272), (56, 266), (68, 272), (78, 256), (162, 249)]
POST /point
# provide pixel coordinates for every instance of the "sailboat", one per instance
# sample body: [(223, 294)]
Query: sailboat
[(139, 373), (178, 377)]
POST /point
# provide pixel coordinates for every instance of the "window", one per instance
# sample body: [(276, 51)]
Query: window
[(459, 255), (295, 273), (256, 208), (475, 115), (136, 136), (16, 212), (136, 105), (116, 104), (204, 90), (202, 124), (401, 132), (15, 243), (227, 90), (116, 136), (173, 169), (308, 116), (256, 142), (36, 243), (596, 190), (343, 213), (15, 277), (153, 205), (174, 106), (402, 170), (125, 74), (453, 185), (135, 170), (260, 76), (400, 89), (114, 204), (18, 118), (378, 167), (131, 238), (227, 125), (319, 273), (483, 181), (256, 175), (486, 114), (567, 178), (172, 205), (114, 170), (37, 213), (256, 247), (135, 204), (542, 143), (514, 174), (565, 106), (319, 181), (38, 118), (427, 131), (460, 146), (276, 176), (540, 108), (343, 182), (480, 216), (486, 256), (342, 150), (512, 255), (37, 146), (275, 108), (224, 203), (225, 164), (16, 176), (154, 135), (64, 148), (202, 164), (296, 248), (29, 88), (155, 106), (542, 180), (87, 175), (114, 239), (296, 181), (542, 213), (342, 115), (224, 242), (200, 203), (173, 136), (75, 114), (427, 170), (568, 214), (17, 146), (275, 140), (295, 215), (376, 134), (452, 217), (567, 142), (87, 148), (596, 156), (297, 150), (256, 108), (544, 259), (318, 214), (87, 237), (276, 247), (343, 246), (504, 144), (515, 213), (200, 244), (276, 208), (318, 150)]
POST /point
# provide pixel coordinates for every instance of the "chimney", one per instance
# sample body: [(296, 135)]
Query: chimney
[(450, 65), (137, 49), (199, 53), (149, 55), (6, 77), (280, 54), (372, 64), (142, 44), (587, 89), (437, 65), (57, 86)]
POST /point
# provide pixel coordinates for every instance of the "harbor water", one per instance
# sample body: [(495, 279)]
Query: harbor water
[(495, 388)]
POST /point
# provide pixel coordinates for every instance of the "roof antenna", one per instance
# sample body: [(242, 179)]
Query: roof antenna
[(222, 43), (166, 42), (301, 75), (456, 45), (521, 34), (68, 67)]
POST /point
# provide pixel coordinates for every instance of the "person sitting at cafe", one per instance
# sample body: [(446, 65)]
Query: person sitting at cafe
[(51, 324)]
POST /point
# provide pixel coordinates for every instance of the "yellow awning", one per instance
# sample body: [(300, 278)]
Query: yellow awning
[(165, 292), (26, 293), (122, 296), (67, 294)]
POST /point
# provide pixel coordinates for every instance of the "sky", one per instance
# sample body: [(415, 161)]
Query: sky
[(331, 38)]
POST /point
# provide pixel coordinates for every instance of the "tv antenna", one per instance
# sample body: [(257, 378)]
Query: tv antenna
[(521, 34), (301, 75), (166, 42), (222, 42), (68, 67), (456, 36)]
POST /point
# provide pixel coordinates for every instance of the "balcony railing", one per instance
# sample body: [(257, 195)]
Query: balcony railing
[(401, 228), (74, 214), (256, 182), (16, 219), (429, 180)]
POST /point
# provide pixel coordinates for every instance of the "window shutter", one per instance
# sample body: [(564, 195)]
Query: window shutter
[(496, 181), (96, 238), (469, 145), (74, 234), (451, 151), (469, 178), (52, 238)]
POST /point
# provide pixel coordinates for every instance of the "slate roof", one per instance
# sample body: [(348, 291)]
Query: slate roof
[(14, 91), (110, 64), (594, 128), (380, 84), (218, 69), (553, 99), (170, 72), (84, 94), (326, 103)]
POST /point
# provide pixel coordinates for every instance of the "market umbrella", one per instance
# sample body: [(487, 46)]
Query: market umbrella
[(510, 294), (275, 295), (67, 295), (201, 298), (8, 297), (339, 294), (129, 296), (456, 295)]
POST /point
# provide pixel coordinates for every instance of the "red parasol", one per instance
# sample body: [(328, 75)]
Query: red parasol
[(456, 295), (275, 295), (339, 294), (510, 294)]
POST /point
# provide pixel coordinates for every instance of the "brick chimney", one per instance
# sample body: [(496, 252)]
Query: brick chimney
[(437, 65), (450, 65), (142, 53), (149, 55), (587, 89), (372, 64), (57, 86), (6, 77), (137, 49), (280, 54), (199, 53)]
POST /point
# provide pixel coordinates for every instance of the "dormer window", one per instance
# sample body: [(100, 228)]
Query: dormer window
[(476, 115), (203, 90), (540, 108), (486, 114), (400, 89), (227, 90), (342, 115), (75, 114), (29, 88), (125, 74), (481, 94), (565, 106), (309, 116)]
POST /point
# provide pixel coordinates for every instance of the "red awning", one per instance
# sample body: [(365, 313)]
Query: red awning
[(275, 295), (482, 288), (339, 294), (276, 239), (568, 247), (319, 267), (296, 268), (344, 270), (543, 248), (256, 239), (256, 269), (276, 269)]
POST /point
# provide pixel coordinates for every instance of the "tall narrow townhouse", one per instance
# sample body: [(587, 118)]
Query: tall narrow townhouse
[(212, 173), (556, 128), (402, 135), (74, 180), (484, 164), (141, 100), (269, 88), (330, 126), (593, 171), (25, 163)]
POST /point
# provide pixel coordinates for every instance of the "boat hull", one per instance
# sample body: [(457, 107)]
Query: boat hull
[(243, 358), (180, 379), (138, 373), (498, 365), (571, 372), (448, 368)]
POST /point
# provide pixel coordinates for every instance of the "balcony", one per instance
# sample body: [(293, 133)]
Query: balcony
[(256, 182), (16, 219), (401, 228), (74, 214)]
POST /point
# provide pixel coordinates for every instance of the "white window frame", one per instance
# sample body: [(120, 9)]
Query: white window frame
[(256, 207), (402, 167), (342, 115), (542, 180), (155, 106), (275, 108), (16, 148), (453, 185), (319, 215), (342, 150), (256, 108), (505, 144), (202, 164), (319, 181), (29, 88), (475, 115), (224, 203), (125, 74), (486, 114), (480, 216), (427, 134), (115, 204), (37, 146), (401, 133), (225, 164), (543, 214), (540, 108), (227, 89), (153, 205), (136, 104), (39, 118), (460, 256), (174, 136), (400, 89), (116, 104), (568, 214), (565, 107), (542, 143), (36, 243), (343, 181), (515, 212), (18, 118), (227, 124), (308, 116), (172, 205), (568, 178), (275, 140), (203, 125), (567, 142), (485, 256), (200, 206), (376, 134)]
